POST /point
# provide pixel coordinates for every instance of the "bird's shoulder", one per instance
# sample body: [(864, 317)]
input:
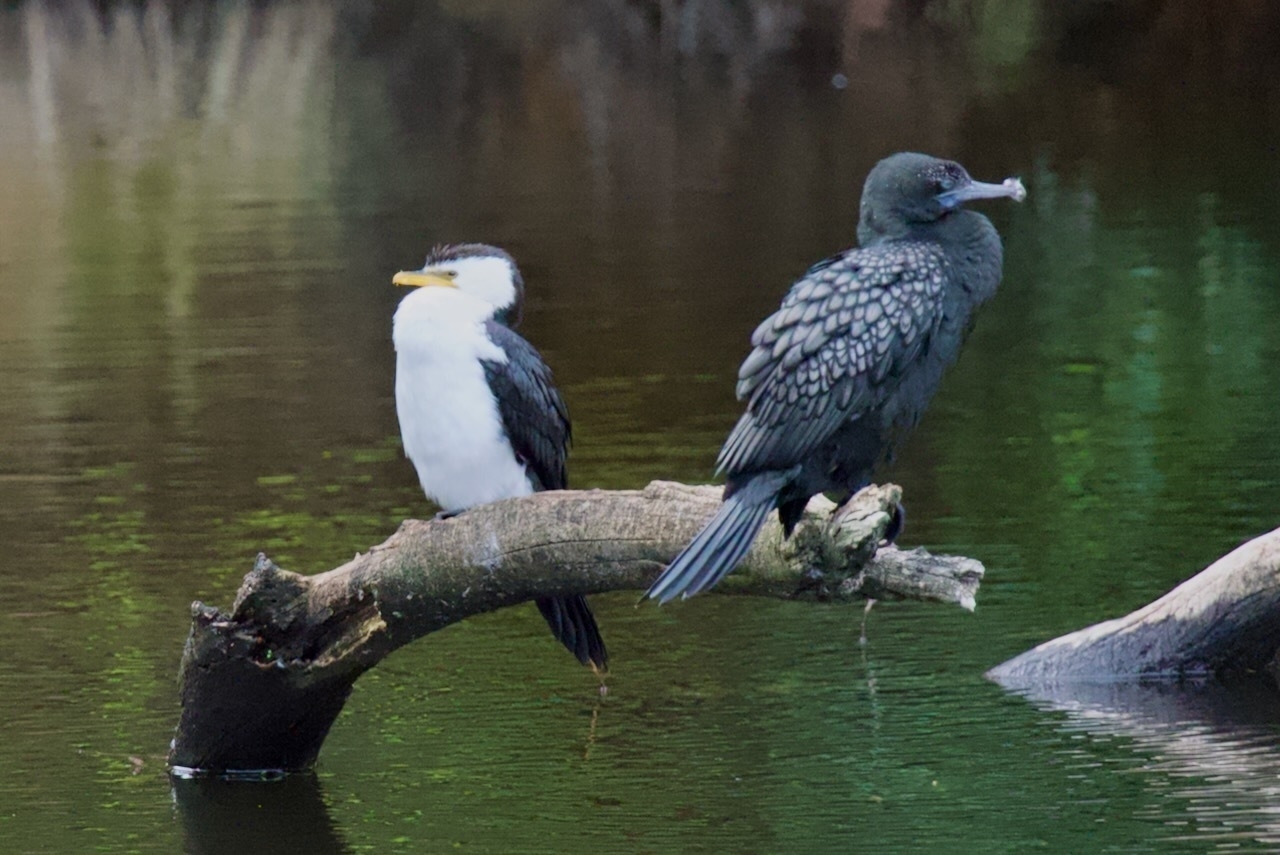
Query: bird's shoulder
[(533, 413), (844, 337), (858, 277), (850, 310)]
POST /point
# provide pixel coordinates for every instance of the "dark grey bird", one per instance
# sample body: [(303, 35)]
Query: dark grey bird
[(850, 360), (479, 414)]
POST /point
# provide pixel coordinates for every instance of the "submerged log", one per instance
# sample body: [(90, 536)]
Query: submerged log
[(261, 685), (1223, 622)]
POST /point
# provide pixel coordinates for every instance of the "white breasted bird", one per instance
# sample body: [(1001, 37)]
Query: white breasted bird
[(479, 414)]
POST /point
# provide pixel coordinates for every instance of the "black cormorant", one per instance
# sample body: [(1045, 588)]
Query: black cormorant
[(479, 415), (851, 358)]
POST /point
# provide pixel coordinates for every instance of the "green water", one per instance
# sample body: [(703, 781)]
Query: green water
[(202, 210)]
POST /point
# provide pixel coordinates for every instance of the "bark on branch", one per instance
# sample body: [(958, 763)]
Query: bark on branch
[(261, 685)]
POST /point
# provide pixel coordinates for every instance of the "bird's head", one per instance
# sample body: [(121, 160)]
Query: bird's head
[(484, 272), (908, 190)]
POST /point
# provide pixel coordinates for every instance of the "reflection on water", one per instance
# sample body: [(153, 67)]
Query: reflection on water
[(203, 207), (1212, 752), (286, 816)]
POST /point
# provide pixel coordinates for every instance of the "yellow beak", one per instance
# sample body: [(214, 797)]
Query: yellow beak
[(419, 278)]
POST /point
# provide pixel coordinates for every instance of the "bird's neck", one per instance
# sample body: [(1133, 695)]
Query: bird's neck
[(511, 316), (974, 248), (433, 308), (971, 243)]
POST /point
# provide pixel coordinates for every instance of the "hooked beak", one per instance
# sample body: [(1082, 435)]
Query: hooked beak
[(1009, 188), (421, 278)]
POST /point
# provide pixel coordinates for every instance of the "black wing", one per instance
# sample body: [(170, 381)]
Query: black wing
[(536, 422), (834, 351), (533, 414)]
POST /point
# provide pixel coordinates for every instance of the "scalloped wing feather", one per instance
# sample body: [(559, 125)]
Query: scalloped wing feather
[(834, 350)]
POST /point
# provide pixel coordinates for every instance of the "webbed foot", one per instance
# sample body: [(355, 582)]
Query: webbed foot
[(897, 523)]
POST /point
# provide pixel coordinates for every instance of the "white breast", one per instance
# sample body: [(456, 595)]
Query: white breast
[(449, 421)]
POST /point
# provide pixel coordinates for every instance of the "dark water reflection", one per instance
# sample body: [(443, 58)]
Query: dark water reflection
[(203, 207), (284, 816)]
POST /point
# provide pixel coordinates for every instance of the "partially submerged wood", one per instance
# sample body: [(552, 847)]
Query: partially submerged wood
[(261, 685), (1223, 622)]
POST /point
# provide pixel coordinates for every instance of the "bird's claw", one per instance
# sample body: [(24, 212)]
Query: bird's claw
[(897, 522)]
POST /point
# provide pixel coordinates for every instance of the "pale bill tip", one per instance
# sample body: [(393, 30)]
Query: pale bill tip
[(1017, 191)]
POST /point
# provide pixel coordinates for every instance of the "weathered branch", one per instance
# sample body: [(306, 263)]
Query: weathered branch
[(261, 686), (1224, 621)]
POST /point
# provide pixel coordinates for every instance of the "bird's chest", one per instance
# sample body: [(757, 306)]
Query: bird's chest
[(450, 423)]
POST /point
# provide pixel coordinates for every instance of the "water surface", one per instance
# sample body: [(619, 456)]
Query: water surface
[(203, 210)]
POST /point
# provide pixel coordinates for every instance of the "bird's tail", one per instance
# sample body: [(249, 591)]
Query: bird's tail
[(575, 627), (723, 542)]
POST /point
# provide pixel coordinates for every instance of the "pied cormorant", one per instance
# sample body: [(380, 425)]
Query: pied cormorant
[(479, 414), (850, 360)]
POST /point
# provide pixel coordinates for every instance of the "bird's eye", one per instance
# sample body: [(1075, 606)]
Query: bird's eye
[(946, 183), (449, 274)]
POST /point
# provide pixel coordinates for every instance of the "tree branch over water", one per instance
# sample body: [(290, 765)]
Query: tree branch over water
[(261, 685)]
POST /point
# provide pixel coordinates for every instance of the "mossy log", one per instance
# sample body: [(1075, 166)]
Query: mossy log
[(261, 685)]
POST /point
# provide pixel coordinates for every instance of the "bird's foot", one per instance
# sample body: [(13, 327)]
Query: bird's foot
[(448, 515), (897, 522)]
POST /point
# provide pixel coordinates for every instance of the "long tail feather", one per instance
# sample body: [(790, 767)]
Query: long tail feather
[(575, 627), (722, 543)]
